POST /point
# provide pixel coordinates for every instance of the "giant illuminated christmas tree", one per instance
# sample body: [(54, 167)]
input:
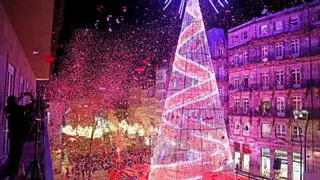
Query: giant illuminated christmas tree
[(193, 139)]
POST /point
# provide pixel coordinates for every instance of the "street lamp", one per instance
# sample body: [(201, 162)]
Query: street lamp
[(302, 115)]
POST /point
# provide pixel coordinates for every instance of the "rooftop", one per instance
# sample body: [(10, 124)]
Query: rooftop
[(284, 12)]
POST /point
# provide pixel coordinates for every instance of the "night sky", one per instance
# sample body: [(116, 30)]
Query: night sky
[(117, 16)]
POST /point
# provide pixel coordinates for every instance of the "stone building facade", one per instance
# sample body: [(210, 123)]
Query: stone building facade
[(218, 47), (274, 70)]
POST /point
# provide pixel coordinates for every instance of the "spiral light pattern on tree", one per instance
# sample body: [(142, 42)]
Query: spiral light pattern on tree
[(192, 139)]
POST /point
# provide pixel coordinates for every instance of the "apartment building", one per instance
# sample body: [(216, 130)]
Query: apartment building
[(274, 71)]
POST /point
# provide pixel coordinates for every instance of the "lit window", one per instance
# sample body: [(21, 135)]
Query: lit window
[(295, 48), (294, 22), (264, 53), (296, 166), (297, 103), (264, 30), (280, 105), (266, 130), (278, 26), (281, 130), (237, 127), (280, 78), (175, 84), (246, 162), (279, 50), (265, 162), (236, 159), (10, 80)]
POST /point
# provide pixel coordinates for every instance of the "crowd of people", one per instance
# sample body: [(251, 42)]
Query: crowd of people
[(124, 163)]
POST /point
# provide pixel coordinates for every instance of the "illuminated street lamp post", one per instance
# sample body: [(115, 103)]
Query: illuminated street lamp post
[(303, 115)]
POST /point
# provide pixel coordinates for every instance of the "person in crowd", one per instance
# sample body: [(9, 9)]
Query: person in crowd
[(18, 131)]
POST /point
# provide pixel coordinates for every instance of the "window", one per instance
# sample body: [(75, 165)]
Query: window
[(265, 106), (294, 22), (245, 35), (282, 173), (279, 51), (280, 78), (236, 127), (220, 51), (278, 26), (266, 130), (221, 73), (264, 53), (246, 104), (265, 162), (296, 132), (10, 80), (246, 162), (236, 82), (280, 105), (295, 48), (264, 30), (236, 58), (265, 79), (246, 81), (297, 103), (21, 87), (246, 129), (175, 84), (245, 56), (296, 164), (281, 130), (237, 158), (234, 39), (296, 76), (237, 104)]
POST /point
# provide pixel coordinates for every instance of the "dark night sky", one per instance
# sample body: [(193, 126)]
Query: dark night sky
[(85, 13), (122, 14)]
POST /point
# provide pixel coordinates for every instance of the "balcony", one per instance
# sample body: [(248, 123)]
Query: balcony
[(285, 85), (240, 112)]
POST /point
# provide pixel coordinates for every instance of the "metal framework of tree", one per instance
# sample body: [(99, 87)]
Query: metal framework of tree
[(193, 139)]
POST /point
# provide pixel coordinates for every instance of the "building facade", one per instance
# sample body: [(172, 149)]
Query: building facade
[(274, 71), (16, 74), (218, 47), (25, 39)]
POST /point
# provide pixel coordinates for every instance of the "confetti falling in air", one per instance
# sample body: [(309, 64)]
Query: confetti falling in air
[(191, 141), (183, 4), (98, 71)]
